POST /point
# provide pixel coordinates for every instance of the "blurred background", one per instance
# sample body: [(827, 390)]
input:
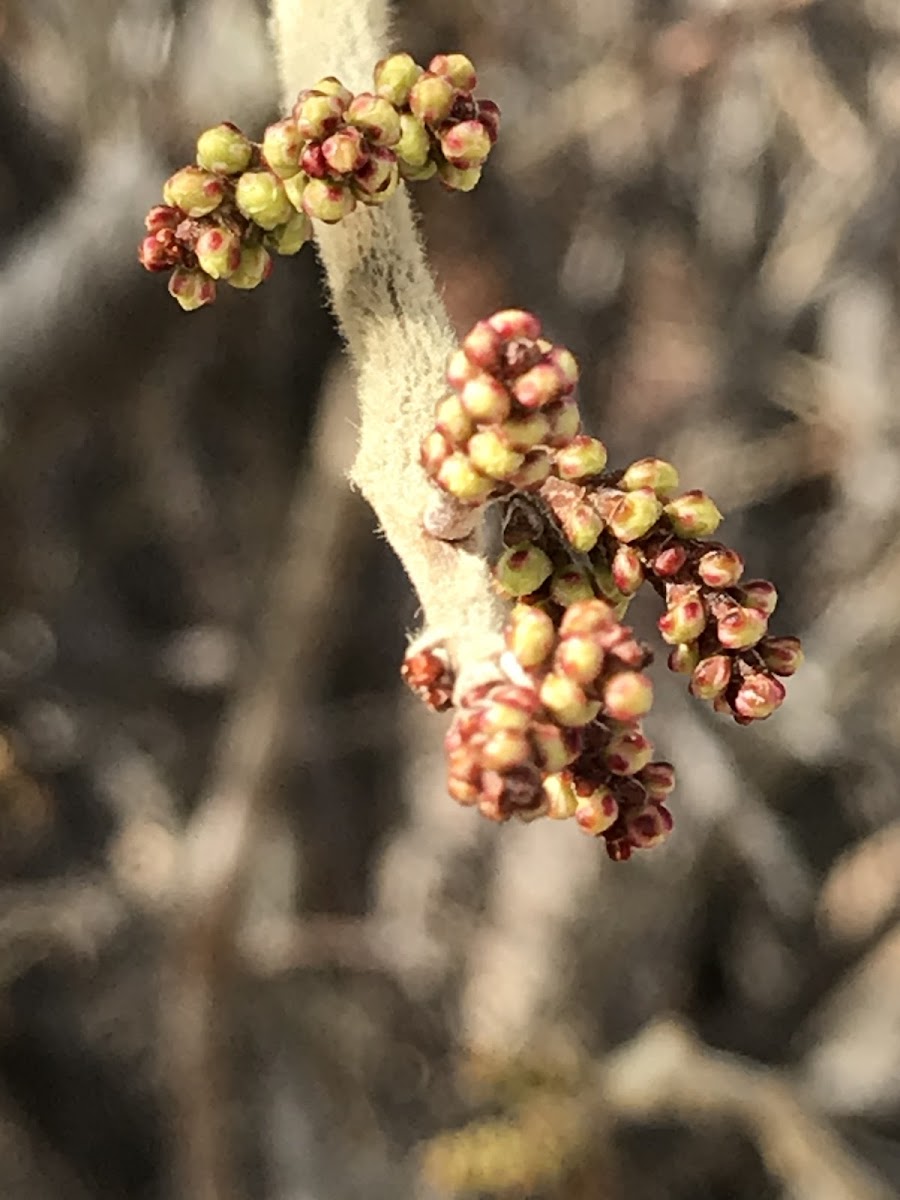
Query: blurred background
[(248, 947)]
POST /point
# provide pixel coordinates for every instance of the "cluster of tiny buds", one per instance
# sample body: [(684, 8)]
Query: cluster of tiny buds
[(511, 409), (224, 215), (560, 735)]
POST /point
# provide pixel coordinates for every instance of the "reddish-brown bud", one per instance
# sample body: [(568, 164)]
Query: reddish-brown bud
[(668, 562), (711, 676), (160, 250), (758, 697), (627, 570), (657, 780), (782, 655), (597, 812), (759, 594), (649, 826), (162, 216), (428, 673), (489, 116)]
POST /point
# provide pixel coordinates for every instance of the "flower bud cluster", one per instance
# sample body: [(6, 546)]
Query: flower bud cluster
[(242, 200), (511, 405)]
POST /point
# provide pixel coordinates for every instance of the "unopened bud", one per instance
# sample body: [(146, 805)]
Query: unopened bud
[(668, 562), (485, 399), (492, 456), (522, 569), (431, 98), (394, 77), (720, 568), (581, 459), (533, 472), (582, 526), (376, 118), (741, 628), (782, 655), (711, 676), (504, 750), (457, 476), (195, 191), (565, 422), (759, 594), (332, 86), (345, 151), (377, 179), (262, 199), (628, 752), (294, 189), (569, 586), (489, 115), (457, 68), (218, 252), (414, 144), (586, 617), (657, 780), (567, 702), (160, 250), (684, 621), (579, 657), (556, 748), (452, 420), (693, 515), (634, 515), (255, 267), (597, 812), (758, 697), (627, 696), (466, 143), (291, 237), (317, 114), (192, 289), (224, 150), (649, 827), (327, 202), (522, 433), (530, 635), (684, 658), (515, 323), (282, 146), (654, 473), (561, 799), (458, 179), (627, 570), (162, 216)]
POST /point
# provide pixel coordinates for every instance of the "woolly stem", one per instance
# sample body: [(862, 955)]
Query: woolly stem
[(399, 337)]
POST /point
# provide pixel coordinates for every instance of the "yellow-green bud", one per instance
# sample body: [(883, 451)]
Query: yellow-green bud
[(522, 569), (431, 98), (566, 701), (376, 118), (218, 252), (193, 190), (414, 145), (693, 515), (281, 148), (332, 86), (457, 476), (530, 635), (523, 433), (570, 586), (596, 813), (292, 236), (452, 420), (457, 68), (561, 798), (224, 150), (466, 143), (634, 515), (653, 473), (192, 289), (255, 266), (582, 458), (294, 188), (394, 76), (492, 456), (261, 197), (459, 179), (318, 114), (326, 201)]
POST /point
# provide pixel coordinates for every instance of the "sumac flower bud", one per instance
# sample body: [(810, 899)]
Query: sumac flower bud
[(332, 86), (224, 150), (452, 420), (684, 621), (160, 250), (568, 704), (458, 179), (741, 628), (668, 562), (427, 672), (394, 76), (377, 179), (684, 658), (654, 473), (376, 118), (657, 780), (523, 433), (255, 267), (281, 148), (313, 162), (486, 399), (533, 472), (634, 515), (434, 451), (162, 216), (693, 515), (582, 458), (530, 635), (457, 476), (317, 114), (504, 750), (627, 570), (711, 676), (758, 697), (556, 748), (522, 569), (720, 568), (417, 174), (483, 346), (759, 594), (562, 801), (586, 617), (328, 202), (538, 386), (565, 421), (627, 696), (579, 657), (465, 144), (457, 68), (492, 456), (218, 252), (597, 812), (628, 752), (513, 323), (192, 289), (460, 369), (292, 236), (431, 98), (782, 655), (345, 151), (582, 526), (261, 197), (195, 191), (414, 144), (648, 826), (570, 586), (294, 189), (566, 366), (489, 115)]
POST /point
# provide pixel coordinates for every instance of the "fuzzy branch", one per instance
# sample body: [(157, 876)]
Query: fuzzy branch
[(399, 337)]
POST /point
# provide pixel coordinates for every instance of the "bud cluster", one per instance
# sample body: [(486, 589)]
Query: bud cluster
[(561, 736), (242, 200), (511, 404)]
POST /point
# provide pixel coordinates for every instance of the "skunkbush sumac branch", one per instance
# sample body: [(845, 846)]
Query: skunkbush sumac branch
[(241, 201)]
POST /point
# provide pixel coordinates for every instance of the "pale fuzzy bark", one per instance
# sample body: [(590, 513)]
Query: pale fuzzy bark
[(398, 335)]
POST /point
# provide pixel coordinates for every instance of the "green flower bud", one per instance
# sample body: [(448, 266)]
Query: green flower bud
[(538, 386), (569, 586), (586, 617), (282, 146), (627, 570), (417, 174), (693, 515), (394, 76), (332, 86), (627, 696), (378, 178), (318, 114), (458, 179), (224, 150), (261, 197), (485, 399), (760, 594), (684, 658), (458, 69), (628, 752), (218, 252), (683, 622), (492, 456), (582, 458), (720, 568), (534, 470), (523, 433), (458, 477), (579, 657), (596, 813), (376, 118), (565, 421), (634, 515), (294, 187), (452, 420), (192, 289), (466, 143), (653, 473), (561, 798), (431, 98), (522, 569), (414, 146), (255, 267), (345, 151), (582, 526), (326, 201), (741, 628), (292, 236), (195, 191), (530, 635), (433, 451), (504, 750)]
